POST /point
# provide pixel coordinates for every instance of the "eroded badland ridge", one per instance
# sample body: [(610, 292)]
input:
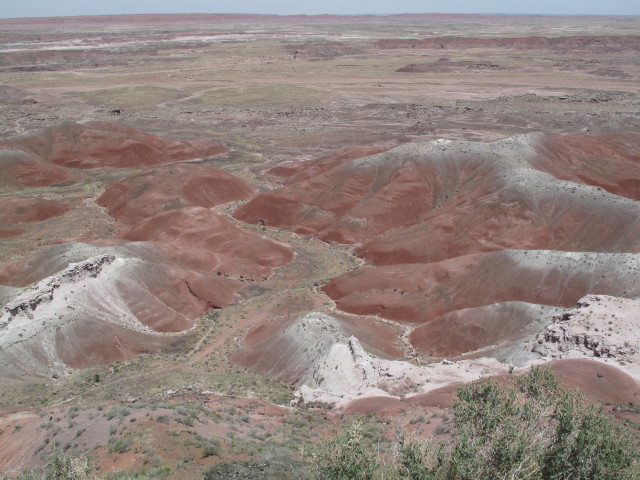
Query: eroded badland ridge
[(222, 236)]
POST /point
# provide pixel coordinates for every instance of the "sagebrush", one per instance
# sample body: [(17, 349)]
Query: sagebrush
[(525, 428)]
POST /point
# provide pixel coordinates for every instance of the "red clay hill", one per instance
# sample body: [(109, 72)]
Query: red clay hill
[(172, 258), (470, 242), (107, 144)]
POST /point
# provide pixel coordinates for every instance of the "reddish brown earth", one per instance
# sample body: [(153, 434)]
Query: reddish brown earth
[(423, 212), (598, 381), (412, 195), (16, 210), (177, 268), (474, 329), (610, 161), (153, 191), (21, 170), (442, 397), (10, 232), (170, 206), (107, 144), (421, 293)]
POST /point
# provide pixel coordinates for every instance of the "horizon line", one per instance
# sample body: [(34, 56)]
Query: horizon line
[(333, 14)]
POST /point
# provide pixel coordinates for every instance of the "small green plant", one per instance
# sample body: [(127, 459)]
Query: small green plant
[(162, 419), (120, 445), (345, 457), (118, 411), (212, 451), (58, 467)]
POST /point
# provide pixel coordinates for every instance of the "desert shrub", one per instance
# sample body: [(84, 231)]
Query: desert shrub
[(345, 457), (117, 411), (211, 450), (531, 428), (526, 428), (417, 460), (162, 419), (58, 467), (121, 445), (589, 445), (144, 473)]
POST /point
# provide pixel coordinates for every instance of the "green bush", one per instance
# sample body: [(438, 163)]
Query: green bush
[(531, 428), (58, 467), (345, 457), (121, 445), (526, 428), (212, 450)]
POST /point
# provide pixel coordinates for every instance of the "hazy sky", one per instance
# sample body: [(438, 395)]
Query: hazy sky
[(49, 8)]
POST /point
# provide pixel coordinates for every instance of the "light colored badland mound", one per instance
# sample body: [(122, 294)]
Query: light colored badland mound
[(120, 302), (343, 373), (107, 144), (288, 350), (298, 171), (601, 326), (332, 366)]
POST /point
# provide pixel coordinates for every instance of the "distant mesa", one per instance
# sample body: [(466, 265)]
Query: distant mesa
[(446, 66), (591, 43), (15, 96)]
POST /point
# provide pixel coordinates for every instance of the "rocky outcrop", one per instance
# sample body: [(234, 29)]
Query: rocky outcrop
[(344, 370), (43, 292), (600, 326)]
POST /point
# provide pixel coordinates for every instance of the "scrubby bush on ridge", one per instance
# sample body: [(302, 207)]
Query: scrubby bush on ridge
[(526, 428)]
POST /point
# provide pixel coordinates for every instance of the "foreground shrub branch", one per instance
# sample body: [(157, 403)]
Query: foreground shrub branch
[(526, 428)]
